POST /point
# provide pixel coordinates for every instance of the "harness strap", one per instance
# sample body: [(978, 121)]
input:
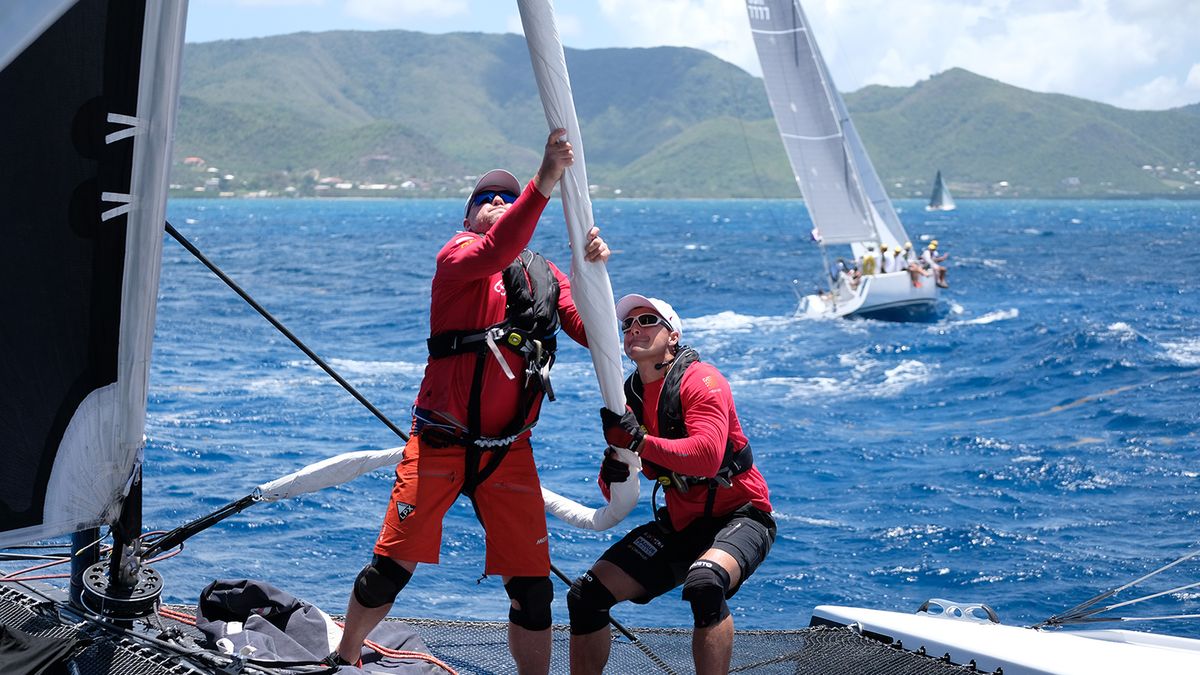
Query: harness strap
[(733, 464)]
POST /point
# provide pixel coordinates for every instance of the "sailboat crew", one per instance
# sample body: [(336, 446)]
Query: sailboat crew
[(716, 527), (888, 256), (494, 312), (932, 261)]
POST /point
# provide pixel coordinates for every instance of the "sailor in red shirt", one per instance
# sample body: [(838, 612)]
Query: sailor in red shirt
[(494, 313), (716, 527)]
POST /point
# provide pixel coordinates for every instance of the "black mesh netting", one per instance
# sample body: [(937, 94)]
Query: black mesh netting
[(98, 652), (481, 647)]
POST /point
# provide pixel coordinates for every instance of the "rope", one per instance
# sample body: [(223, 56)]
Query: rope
[(283, 329), (53, 561)]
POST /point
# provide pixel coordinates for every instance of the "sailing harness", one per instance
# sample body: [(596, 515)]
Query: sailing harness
[(529, 327), (671, 425)]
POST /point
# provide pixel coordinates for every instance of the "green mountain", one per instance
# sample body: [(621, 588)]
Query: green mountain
[(415, 114)]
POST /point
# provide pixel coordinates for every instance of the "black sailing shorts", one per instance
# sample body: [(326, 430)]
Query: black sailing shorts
[(658, 557)]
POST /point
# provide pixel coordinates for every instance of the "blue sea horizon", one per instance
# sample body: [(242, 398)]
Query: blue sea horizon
[(1033, 446)]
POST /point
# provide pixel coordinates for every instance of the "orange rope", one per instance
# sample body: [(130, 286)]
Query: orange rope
[(403, 654)]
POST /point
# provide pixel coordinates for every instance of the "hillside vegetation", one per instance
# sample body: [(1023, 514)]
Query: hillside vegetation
[(402, 113)]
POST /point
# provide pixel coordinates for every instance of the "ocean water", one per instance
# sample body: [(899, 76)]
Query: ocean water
[(1035, 445)]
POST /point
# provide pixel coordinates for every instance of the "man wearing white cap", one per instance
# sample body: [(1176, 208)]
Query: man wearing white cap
[(716, 527), (494, 313)]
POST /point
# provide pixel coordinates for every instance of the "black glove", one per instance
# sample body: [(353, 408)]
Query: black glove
[(612, 469), (622, 431)]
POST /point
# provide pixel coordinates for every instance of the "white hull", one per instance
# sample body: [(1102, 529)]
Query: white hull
[(1023, 651), (888, 295), (940, 208)]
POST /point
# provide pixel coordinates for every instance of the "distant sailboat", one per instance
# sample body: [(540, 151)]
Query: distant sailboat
[(842, 192), (940, 199)]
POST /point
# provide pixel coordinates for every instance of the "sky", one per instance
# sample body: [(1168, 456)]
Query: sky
[(1139, 54)]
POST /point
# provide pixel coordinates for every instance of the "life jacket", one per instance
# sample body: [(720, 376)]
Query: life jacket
[(529, 328), (671, 425), (868, 264)]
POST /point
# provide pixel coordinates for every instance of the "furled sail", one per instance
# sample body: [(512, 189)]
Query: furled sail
[(824, 149), (590, 286), (89, 90)]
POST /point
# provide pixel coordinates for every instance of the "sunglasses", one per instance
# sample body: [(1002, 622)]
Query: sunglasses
[(643, 320), (488, 195)]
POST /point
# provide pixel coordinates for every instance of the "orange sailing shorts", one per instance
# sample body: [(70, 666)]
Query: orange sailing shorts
[(428, 481)]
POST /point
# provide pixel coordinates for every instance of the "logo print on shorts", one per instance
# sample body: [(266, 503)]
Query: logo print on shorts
[(644, 547), (404, 510)]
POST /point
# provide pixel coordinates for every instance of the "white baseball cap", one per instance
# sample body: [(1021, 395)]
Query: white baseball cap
[(632, 301), (494, 178)]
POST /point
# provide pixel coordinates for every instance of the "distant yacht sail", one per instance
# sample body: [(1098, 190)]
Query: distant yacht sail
[(940, 199), (842, 191)]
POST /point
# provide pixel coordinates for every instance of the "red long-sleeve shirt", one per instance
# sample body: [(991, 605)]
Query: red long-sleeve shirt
[(711, 421), (467, 294)]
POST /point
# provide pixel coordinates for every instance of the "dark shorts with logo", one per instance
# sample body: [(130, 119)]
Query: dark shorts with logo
[(658, 557)]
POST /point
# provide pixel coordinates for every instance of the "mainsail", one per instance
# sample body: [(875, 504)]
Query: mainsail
[(940, 199), (89, 91), (590, 286), (842, 192)]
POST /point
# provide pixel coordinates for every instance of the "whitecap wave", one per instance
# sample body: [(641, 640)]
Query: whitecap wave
[(910, 372), (992, 317), (732, 321), (788, 388), (375, 368), (1184, 352)]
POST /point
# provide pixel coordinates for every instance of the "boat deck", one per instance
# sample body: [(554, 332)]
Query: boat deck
[(468, 646)]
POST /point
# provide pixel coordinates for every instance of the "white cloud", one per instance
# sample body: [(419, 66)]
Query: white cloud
[(1164, 91), (1126, 52), (720, 27), (1193, 78), (390, 11), (568, 25)]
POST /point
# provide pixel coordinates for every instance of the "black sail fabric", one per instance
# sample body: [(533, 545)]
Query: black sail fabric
[(25, 654)]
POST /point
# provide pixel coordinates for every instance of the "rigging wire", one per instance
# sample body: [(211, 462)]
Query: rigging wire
[(1086, 611), (283, 329)]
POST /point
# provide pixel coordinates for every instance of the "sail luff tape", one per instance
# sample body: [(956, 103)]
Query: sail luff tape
[(115, 198), (133, 127)]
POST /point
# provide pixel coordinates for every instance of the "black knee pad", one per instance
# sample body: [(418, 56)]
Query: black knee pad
[(380, 582), (588, 603), (705, 588), (534, 595)]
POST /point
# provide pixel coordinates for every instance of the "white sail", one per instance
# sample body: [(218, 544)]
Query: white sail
[(78, 362), (590, 286), (842, 192)]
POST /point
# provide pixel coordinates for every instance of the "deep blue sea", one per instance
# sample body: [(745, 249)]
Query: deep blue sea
[(1034, 446)]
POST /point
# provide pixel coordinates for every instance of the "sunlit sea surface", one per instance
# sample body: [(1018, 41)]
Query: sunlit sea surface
[(1035, 445)]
